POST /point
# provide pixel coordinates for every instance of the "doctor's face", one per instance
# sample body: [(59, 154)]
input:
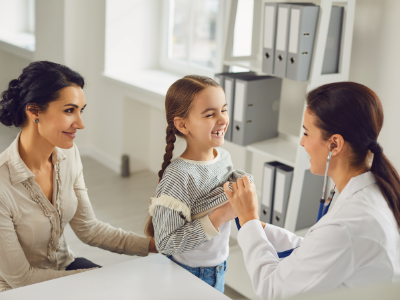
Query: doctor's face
[(316, 147)]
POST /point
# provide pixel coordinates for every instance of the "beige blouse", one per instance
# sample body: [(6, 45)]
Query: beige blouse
[(32, 244)]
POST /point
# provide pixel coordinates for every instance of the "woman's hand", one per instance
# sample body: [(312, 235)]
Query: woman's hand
[(152, 246), (222, 215), (243, 199)]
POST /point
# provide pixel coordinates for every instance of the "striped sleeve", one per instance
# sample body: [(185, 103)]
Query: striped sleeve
[(236, 174), (175, 235)]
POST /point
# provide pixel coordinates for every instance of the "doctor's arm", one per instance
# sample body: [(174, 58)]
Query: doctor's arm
[(244, 201), (323, 262)]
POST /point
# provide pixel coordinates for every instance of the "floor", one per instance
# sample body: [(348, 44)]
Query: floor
[(121, 202)]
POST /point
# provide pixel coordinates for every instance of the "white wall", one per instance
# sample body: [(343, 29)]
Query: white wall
[(375, 63), (116, 123)]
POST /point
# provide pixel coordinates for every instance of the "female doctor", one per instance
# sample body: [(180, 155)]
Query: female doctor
[(357, 242)]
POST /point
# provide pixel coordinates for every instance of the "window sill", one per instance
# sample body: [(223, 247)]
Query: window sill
[(21, 44), (149, 86)]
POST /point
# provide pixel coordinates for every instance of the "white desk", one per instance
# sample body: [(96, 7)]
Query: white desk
[(152, 277)]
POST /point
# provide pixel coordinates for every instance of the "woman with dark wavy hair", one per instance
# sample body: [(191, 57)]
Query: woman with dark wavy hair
[(41, 182), (357, 242)]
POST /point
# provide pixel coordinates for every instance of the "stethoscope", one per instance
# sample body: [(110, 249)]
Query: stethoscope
[(323, 205)]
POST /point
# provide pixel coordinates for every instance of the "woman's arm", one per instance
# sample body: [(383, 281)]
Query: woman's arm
[(14, 267), (98, 234)]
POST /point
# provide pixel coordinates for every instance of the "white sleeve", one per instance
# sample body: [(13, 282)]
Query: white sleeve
[(324, 260), (281, 238)]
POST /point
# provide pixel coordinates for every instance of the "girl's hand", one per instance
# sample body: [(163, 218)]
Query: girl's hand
[(243, 199), (222, 215)]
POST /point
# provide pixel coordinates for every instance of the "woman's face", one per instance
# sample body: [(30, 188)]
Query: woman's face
[(63, 117), (316, 147), (208, 118)]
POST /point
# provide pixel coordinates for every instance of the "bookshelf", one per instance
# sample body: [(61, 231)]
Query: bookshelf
[(285, 148)]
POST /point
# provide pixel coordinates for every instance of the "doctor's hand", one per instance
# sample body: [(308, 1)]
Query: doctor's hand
[(243, 198)]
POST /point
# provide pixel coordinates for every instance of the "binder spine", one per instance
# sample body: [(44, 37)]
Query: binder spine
[(267, 193), (283, 182), (239, 112), (229, 84), (281, 41), (270, 17), (303, 26), (220, 80)]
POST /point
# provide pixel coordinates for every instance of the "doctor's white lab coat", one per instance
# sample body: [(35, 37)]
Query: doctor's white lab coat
[(356, 243)]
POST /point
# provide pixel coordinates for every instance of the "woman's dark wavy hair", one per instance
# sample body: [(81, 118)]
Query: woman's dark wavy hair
[(38, 85), (355, 112)]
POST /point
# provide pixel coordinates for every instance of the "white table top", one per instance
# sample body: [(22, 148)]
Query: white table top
[(152, 277)]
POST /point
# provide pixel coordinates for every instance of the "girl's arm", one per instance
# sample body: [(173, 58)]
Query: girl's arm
[(95, 233), (176, 235)]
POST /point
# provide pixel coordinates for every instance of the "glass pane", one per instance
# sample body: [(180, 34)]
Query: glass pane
[(178, 31), (242, 35), (203, 44)]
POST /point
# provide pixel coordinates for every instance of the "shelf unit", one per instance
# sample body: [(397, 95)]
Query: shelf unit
[(285, 148)]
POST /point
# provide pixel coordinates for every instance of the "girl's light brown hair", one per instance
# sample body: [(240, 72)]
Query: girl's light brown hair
[(178, 103)]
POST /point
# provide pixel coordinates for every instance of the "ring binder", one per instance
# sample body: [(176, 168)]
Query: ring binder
[(282, 28), (270, 16), (227, 82), (256, 112), (267, 193), (303, 26), (283, 183)]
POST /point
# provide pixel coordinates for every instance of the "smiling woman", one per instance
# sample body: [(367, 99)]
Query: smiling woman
[(41, 182)]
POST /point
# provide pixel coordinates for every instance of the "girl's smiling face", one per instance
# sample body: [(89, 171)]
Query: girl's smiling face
[(208, 119)]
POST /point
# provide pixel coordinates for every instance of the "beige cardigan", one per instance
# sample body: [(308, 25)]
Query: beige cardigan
[(32, 244)]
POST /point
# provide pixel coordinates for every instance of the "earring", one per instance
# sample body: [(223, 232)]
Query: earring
[(36, 120)]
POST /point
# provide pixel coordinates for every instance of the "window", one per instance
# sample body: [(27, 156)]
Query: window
[(193, 33), (17, 23), (243, 31)]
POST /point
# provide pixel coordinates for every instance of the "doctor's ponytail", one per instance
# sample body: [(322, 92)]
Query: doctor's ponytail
[(178, 103), (355, 112)]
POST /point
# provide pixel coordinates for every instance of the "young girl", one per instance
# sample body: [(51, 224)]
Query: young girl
[(190, 213)]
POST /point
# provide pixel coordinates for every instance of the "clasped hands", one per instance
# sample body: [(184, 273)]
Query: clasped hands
[(243, 199)]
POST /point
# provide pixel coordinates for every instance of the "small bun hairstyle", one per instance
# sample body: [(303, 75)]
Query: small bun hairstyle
[(38, 85)]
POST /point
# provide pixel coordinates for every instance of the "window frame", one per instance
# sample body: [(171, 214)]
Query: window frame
[(185, 68)]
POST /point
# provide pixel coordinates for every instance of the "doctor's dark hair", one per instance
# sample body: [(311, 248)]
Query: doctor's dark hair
[(38, 85), (178, 103), (355, 112)]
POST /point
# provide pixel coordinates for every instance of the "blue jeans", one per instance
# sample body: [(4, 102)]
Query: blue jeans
[(81, 263), (214, 276)]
